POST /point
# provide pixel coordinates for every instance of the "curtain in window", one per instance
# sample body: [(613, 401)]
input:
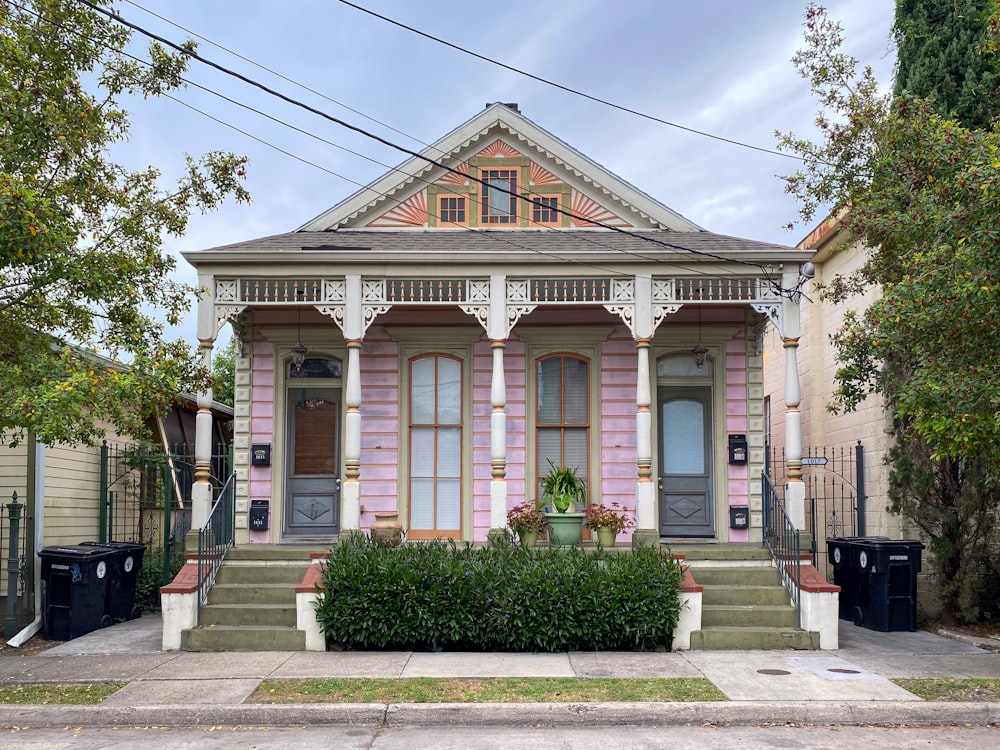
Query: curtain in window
[(562, 424), (435, 444)]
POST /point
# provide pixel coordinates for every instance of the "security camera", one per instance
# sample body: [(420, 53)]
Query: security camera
[(807, 270)]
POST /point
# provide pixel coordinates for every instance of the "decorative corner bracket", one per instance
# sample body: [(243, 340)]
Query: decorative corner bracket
[(773, 312)]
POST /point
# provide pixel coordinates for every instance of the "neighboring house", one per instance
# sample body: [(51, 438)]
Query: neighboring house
[(62, 488), (834, 253), (456, 338)]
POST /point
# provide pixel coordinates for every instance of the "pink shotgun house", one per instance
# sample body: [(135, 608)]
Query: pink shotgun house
[(499, 302)]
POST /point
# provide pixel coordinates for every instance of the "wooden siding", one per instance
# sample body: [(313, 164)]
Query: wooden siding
[(619, 470), (261, 417), (13, 472), (379, 424), (737, 410)]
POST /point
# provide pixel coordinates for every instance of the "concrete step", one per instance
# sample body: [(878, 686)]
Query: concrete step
[(739, 576), (271, 615), (274, 552), (723, 553), (771, 616), (257, 573), (753, 638), (252, 593), (761, 596), (258, 638)]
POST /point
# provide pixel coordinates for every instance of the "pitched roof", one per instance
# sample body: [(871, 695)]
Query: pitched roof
[(498, 120), (490, 246)]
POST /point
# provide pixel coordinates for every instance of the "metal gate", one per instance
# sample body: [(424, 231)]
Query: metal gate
[(146, 498), (835, 494)]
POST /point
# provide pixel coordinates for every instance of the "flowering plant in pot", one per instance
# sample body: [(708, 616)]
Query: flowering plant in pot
[(607, 521), (527, 521)]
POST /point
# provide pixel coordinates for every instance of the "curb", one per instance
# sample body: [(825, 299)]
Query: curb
[(743, 713)]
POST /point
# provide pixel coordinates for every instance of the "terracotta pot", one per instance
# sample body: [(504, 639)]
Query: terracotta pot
[(386, 528)]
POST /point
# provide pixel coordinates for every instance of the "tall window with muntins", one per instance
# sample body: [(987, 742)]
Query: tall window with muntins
[(545, 210), (562, 420), (498, 205), (435, 447), (452, 210)]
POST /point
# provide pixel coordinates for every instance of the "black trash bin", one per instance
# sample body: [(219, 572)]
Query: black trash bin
[(123, 570), (843, 557), (887, 583), (75, 580)]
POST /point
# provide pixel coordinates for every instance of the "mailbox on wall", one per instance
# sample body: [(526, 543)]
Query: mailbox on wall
[(259, 515), (260, 454), (739, 517), (737, 449)]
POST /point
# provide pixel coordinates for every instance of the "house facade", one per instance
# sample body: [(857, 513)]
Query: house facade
[(835, 252), (431, 343)]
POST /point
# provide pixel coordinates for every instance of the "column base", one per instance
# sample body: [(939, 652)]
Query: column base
[(645, 538), (191, 542)]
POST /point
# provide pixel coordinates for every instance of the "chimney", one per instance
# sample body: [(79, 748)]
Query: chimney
[(508, 105)]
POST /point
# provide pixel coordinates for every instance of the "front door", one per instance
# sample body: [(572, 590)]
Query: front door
[(312, 502), (685, 482)]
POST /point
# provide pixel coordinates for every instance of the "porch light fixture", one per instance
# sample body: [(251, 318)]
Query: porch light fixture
[(298, 349), (700, 350)]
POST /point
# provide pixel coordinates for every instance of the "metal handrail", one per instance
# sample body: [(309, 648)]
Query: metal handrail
[(215, 538), (783, 540)]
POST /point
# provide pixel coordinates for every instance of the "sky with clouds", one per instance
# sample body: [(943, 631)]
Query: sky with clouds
[(719, 66)]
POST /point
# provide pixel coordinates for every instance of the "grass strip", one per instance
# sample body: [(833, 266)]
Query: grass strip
[(967, 689), (61, 695), (494, 690)]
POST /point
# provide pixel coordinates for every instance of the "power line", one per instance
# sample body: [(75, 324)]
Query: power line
[(567, 89), (284, 97), (493, 236), (276, 73)]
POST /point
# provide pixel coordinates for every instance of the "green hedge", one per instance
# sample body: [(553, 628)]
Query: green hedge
[(441, 596)]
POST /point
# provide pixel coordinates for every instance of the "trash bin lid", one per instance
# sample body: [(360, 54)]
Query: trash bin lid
[(75, 551)]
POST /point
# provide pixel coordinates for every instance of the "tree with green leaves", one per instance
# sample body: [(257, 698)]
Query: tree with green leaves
[(84, 281), (224, 373), (921, 192), (941, 56)]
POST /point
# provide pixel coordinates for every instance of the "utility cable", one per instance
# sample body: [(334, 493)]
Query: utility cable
[(284, 97), (567, 89), (276, 73)]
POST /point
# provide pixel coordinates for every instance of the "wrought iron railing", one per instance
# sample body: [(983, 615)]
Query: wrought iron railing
[(834, 478), (215, 538), (783, 540), (17, 551)]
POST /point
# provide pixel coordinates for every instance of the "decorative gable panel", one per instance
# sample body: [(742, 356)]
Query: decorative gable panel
[(549, 174), (410, 213), (450, 178), (499, 149), (541, 176), (587, 208)]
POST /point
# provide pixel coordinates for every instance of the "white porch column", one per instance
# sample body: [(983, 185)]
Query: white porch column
[(350, 493), (201, 490), (497, 330), (795, 491), (646, 532)]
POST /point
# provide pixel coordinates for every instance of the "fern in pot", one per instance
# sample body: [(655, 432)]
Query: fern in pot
[(562, 490)]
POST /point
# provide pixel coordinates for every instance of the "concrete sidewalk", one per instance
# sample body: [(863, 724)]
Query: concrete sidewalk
[(181, 688)]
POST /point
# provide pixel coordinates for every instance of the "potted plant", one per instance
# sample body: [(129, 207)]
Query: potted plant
[(562, 489), (607, 522), (527, 521)]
